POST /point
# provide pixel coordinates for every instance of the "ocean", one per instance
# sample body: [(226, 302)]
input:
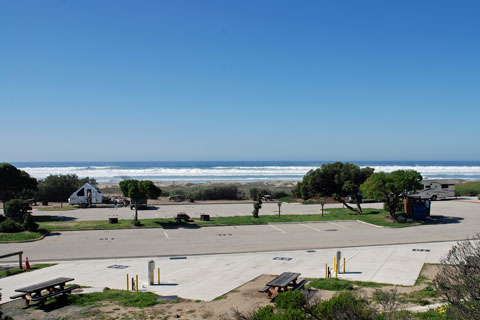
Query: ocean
[(234, 171)]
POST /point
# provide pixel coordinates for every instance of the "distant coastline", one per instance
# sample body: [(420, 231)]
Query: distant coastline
[(234, 171)]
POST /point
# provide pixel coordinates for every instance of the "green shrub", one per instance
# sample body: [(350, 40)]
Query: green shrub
[(227, 192), (399, 208), (16, 209), (264, 313), (289, 300), (29, 224), (10, 226), (471, 188), (279, 194), (332, 284), (345, 305), (254, 192)]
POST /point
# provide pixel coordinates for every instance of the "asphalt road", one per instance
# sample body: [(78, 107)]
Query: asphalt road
[(454, 220)]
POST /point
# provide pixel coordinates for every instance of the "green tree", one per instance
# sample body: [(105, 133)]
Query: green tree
[(139, 190), (257, 205), (337, 180), (16, 209), (59, 187), (15, 183), (392, 187)]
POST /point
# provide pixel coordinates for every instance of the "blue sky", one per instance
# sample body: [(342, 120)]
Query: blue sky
[(239, 80)]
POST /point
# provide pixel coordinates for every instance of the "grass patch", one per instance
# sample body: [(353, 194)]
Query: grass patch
[(64, 208), (471, 188), (374, 216), (121, 297), (331, 284), (12, 272), (21, 236), (421, 278)]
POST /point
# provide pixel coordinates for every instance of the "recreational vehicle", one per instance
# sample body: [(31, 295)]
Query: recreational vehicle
[(438, 188), (86, 196)]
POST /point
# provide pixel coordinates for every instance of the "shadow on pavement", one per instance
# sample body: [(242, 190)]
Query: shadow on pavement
[(176, 225), (442, 220)]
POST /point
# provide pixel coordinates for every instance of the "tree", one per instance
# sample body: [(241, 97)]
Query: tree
[(458, 281), (337, 180), (139, 190), (59, 187), (392, 187), (15, 183), (257, 205)]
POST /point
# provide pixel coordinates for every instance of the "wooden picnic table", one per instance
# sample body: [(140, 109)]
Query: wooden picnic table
[(283, 282), (53, 287)]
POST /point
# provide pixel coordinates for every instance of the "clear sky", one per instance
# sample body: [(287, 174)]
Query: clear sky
[(239, 80)]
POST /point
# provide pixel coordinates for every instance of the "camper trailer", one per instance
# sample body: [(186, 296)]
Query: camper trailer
[(439, 188), (86, 196)]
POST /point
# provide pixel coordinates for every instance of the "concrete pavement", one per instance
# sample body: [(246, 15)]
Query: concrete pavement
[(205, 277)]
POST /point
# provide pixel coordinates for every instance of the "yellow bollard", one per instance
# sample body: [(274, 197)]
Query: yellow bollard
[(343, 265), (336, 271), (158, 275), (136, 283), (326, 274), (128, 287), (334, 264)]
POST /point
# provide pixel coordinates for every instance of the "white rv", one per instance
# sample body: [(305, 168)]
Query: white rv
[(86, 196), (438, 188)]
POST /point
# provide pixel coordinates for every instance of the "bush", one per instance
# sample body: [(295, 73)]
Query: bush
[(345, 305), (16, 209), (10, 226), (227, 192), (289, 300), (29, 224), (279, 194), (254, 192)]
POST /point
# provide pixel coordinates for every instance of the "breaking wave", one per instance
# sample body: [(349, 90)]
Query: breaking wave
[(108, 173)]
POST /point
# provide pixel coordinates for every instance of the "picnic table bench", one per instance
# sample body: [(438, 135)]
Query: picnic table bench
[(182, 216), (283, 282), (53, 287)]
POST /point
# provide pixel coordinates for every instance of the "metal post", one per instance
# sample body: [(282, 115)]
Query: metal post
[(158, 275)]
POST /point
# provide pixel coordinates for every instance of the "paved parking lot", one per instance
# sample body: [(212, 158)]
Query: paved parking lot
[(206, 277), (193, 210)]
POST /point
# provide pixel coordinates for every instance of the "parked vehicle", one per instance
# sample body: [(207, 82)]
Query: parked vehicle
[(438, 188), (86, 196)]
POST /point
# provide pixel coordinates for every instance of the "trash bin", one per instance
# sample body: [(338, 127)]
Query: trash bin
[(205, 217), (112, 220)]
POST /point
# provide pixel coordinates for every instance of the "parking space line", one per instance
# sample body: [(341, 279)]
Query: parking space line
[(311, 227), (166, 235), (339, 225), (277, 228)]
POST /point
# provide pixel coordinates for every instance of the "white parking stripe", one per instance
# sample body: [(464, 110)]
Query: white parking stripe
[(311, 227), (339, 225), (166, 235), (277, 228)]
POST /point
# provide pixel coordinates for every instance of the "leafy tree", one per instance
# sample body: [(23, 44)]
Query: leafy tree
[(16, 209), (59, 187), (257, 205), (458, 281), (337, 180), (139, 190), (15, 183), (392, 187)]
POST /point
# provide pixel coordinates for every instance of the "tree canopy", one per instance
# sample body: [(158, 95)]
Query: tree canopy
[(59, 187), (15, 183), (337, 180), (139, 190), (392, 187)]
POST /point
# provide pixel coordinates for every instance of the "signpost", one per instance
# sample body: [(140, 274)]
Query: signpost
[(279, 205)]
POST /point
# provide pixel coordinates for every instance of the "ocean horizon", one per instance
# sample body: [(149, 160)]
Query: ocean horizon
[(233, 171)]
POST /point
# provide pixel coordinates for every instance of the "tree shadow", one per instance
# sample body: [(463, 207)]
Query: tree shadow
[(434, 220), (176, 225), (52, 218)]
